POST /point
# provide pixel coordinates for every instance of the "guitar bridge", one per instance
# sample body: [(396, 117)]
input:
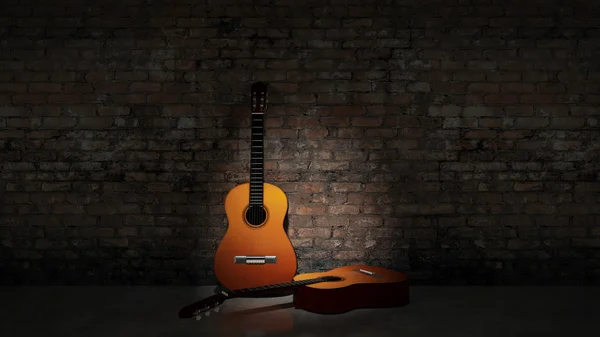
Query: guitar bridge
[(366, 272), (255, 259)]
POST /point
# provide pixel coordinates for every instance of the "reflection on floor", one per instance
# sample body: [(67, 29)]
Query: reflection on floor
[(434, 311)]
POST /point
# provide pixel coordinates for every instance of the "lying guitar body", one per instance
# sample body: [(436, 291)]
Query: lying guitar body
[(255, 249), (359, 287), (333, 292)]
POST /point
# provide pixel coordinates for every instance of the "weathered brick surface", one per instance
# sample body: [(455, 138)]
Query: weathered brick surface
[(455, 140)]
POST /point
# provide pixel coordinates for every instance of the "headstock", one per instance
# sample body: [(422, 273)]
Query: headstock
[(203, 307), (258, 93)]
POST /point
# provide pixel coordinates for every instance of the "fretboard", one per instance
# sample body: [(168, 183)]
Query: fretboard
[(257, 159), (293, 284)]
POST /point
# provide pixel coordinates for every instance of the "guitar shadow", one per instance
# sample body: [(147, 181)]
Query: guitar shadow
[(270, 319), (259, 310)]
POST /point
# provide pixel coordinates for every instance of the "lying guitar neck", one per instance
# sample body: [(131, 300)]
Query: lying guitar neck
[(205, 305), (274, 287)]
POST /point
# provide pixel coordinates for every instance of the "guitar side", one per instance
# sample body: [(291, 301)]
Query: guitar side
[(243, 240), (385, 288)]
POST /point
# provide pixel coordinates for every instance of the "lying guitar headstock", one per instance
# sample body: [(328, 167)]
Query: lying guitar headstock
[(203, 307), (258, 93)]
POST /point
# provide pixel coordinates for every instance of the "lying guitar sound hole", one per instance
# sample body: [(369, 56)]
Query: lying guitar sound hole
[(256, 215)]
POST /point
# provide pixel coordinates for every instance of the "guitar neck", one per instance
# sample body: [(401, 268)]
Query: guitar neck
[(279, 286), (257, 159)]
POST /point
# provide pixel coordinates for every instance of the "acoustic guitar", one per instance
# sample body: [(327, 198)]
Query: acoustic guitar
[(255, 249), (333, 292)]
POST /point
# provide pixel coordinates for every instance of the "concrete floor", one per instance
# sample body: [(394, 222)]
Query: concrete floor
[(434, 311)]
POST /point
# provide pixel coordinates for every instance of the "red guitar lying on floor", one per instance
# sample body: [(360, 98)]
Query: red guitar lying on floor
[(333, 292)]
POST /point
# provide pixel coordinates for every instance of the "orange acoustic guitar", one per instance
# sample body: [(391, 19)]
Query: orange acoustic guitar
[(333, 292), (255, 249)]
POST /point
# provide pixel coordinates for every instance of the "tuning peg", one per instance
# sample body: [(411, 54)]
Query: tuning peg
[(217, 309), (198, 317), (207, 313)]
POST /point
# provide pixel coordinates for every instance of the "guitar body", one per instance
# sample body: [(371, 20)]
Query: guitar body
[(255, 249), (244, 239), (356, 289)]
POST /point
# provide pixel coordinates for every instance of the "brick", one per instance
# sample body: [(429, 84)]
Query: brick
[(445, 110), (587, 242), (144, 87), (349, 255), (313, 233), (501, 99), (530, 123), (568, 123), (44, 87), (25, 123), (483, 87)]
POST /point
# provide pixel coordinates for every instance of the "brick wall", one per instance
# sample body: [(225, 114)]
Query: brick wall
[(454, 140)]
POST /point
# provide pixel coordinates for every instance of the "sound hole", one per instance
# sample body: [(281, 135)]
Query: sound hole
[(256, 215)]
